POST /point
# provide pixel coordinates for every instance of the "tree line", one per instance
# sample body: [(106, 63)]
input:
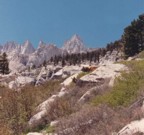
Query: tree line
[(131, 43), (133, 37), (93, 56)]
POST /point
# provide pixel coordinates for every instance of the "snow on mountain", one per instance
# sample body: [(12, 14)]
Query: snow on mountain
[(74, 45), (27, 48)]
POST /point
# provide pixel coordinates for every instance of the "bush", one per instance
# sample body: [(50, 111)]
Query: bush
[(141, 54), (60, 108), (82, 74), (17, 107), (126, 88), (50, 129)]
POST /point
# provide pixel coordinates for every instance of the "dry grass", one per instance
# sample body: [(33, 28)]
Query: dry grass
[(16, 108), (101, 120)]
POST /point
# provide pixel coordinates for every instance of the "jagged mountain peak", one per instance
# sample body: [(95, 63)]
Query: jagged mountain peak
[(26, 55), (9, 46), (27, 43), (74, 45), (10, 43), (52, 45), (76, 37), (27, 48), (41, 44)]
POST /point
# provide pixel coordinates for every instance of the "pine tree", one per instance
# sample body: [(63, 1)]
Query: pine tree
[(44, 63), (4, 65), (63, 62), (133, 37), (55, 60), (51, 59)]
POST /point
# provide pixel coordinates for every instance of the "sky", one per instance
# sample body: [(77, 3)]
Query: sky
[(97, 22)]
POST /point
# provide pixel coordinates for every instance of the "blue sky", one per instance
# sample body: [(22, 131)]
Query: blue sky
[(98, 22)]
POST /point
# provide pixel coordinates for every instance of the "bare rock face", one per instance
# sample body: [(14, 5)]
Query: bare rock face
[(132, 128), (69, 80), (21, 81), (34, 133), (43, 53), (27, 48), (16, 66), (74, 45), (54, 123), (111, 57), (109, 70), (9, 47), (22, 56), (43, 108)]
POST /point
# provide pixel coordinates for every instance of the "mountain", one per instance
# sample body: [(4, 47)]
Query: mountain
[(9, 46), (27, 48), (21, 56), (24, 55), (41, 44), (43, 53), (74, 45)]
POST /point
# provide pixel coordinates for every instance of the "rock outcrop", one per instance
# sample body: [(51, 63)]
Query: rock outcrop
[(35, 133), (105, 71), (43, 109), (74, 45), (132, 128)]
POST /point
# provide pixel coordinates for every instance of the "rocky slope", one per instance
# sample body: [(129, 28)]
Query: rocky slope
[(88, 86), (19, 64), (105, 74), (23, 57)]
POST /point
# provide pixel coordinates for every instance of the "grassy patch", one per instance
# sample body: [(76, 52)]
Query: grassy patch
[(82, 74), (50, 129), (141, 54), (126, 88)]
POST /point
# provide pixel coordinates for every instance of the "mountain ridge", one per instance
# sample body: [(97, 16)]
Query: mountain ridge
[(26, 55)]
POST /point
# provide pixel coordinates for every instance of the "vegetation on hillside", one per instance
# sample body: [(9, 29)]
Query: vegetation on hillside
[(133, 37), (109, 110), (93, 56), (17, 107), (127, 88), (4, 64)]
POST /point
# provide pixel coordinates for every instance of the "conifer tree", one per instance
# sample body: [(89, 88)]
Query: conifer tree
[(63, 62), (4, 65), (133, 37), (44, 63)]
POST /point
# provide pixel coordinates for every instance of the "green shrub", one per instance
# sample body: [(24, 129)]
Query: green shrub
[(141, 54), (82, 74), (126, 88), (50, 129)]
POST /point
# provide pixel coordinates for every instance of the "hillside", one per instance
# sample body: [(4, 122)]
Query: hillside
[(74, 90), (96, 103)]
